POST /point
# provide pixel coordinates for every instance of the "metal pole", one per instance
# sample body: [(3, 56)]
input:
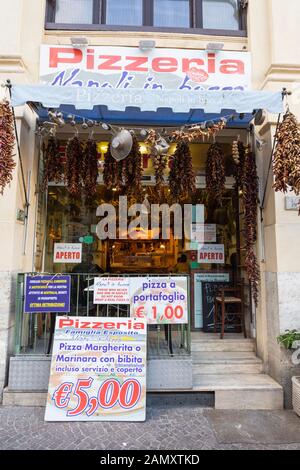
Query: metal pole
[(77, 295), (26, 218), (9, 86), (18, 329), (269, 169)]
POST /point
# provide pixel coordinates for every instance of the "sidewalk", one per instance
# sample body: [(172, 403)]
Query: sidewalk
[(177, 425)]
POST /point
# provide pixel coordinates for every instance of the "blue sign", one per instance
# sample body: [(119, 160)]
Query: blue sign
[(44, 294)]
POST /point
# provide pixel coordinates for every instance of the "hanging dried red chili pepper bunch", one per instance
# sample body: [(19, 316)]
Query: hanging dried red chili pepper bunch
[(286, 162), (250, 202), (132, 170), (110, 170), (253, 272), (241, 164), (215, 173), (182, 180), (90, 168), (74, 162), (53, 167), (250, 196), (160, 164), (7, 141)]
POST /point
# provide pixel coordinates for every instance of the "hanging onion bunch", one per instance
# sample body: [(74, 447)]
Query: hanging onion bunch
[(238, 155), (250, 201), (286, 162), (215, 173), (53, 167), (182, 178), (132, 169), (159, 150), (74, 163), (235, 152), (90, 168), (7, 140), (152, 137)]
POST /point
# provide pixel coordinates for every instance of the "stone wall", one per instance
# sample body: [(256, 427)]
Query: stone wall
[(283, 312), (7, 322)]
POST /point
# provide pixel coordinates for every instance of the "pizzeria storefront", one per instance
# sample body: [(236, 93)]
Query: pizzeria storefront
[(145, 163)]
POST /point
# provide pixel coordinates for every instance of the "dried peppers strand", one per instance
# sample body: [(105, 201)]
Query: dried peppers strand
[(7, 141), (53, 168), (215, 173), (74, 164), (250, 202), (182, 180), (90, 168), (133, 170), (286, 160)]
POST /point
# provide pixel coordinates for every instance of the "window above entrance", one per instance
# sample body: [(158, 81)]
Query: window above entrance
[(218, 17)]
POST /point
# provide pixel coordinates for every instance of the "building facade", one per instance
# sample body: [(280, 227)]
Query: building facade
[(264, 28)]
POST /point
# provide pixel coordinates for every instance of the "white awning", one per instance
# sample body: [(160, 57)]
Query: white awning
[(147, 100)]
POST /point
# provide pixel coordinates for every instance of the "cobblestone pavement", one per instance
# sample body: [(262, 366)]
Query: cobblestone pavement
[(175, 427)]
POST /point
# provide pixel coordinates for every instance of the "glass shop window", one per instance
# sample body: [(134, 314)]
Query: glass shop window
[(172, 13), (124, 12), (74, 11), (221, 14), (187, 16)]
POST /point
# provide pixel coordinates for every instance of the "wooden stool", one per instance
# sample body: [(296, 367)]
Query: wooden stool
[(236, 298)]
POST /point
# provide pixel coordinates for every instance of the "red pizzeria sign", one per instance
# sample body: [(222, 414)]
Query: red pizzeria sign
[(160, 68)]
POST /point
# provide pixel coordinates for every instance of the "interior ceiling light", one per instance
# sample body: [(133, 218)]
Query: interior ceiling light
[(143, 149)]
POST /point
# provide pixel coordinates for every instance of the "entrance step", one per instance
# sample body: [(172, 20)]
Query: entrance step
[(23, 398), (231, 370), (226, 363), (214, 343), (241, 392)]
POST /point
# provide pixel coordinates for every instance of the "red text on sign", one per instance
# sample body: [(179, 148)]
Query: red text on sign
[(110, 393), (142, 63)]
